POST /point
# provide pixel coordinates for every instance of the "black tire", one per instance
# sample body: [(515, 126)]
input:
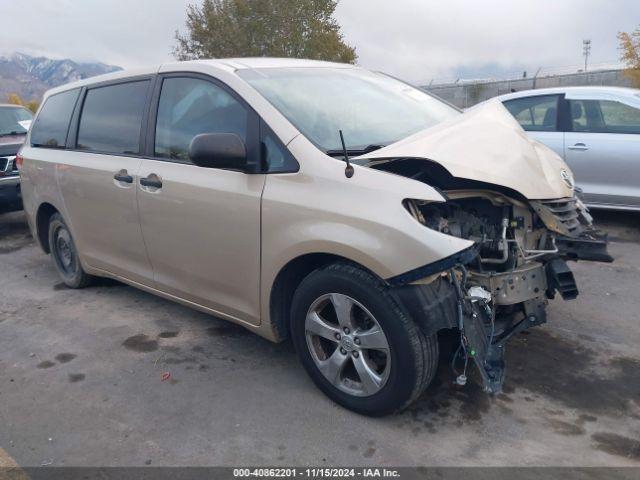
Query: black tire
[(65, 255), (414, 357)]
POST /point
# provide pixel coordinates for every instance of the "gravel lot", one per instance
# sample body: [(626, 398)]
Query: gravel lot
[(81, 382)]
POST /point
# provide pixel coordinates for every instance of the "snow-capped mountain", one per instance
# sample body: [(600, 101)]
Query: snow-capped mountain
[(30, 76)]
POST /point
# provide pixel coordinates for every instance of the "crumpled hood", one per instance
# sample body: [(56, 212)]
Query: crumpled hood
[(487, 144)]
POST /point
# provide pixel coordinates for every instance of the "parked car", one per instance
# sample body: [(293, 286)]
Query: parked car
[(321, 201), (597, 132), (14, 123)]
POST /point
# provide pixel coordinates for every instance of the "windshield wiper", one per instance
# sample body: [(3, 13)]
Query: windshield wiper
[(355, 151), (12, 133)]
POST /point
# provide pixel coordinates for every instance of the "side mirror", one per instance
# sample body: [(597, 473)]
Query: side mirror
[(218, 150)]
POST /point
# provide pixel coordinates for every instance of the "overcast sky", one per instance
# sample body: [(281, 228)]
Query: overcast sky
[(417, 40)]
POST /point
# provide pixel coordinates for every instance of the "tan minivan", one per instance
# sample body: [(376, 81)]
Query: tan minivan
[(340, 207)]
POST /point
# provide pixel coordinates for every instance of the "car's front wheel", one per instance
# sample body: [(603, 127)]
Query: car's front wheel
[(357, 344)]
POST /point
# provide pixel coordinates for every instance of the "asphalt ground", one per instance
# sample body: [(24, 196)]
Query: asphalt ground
[(113, 376)]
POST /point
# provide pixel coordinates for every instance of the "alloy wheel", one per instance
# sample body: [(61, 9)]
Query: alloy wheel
[(347, 344)]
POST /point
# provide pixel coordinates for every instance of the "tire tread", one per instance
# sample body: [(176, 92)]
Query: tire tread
[(82, 278), (424, 349)]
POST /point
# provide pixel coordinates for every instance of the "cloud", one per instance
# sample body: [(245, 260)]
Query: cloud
[(414, 39), (423, 39), (128, 33)]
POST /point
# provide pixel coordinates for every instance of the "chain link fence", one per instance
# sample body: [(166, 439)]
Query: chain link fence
[(466, 93)]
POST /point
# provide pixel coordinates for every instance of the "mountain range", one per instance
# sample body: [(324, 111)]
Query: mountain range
[(30, 76)]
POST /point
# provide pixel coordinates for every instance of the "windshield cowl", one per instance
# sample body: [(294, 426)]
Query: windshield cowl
[(12, 134)]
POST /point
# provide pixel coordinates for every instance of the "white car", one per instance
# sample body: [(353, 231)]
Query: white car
[(596, 130)]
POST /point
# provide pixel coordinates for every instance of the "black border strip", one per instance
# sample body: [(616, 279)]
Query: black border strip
[(461, 257), (310, 472)]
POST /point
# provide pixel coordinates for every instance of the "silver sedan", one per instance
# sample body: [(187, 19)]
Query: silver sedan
[(596, 130)]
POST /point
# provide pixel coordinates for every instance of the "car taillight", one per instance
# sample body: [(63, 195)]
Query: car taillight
[(18, 161)]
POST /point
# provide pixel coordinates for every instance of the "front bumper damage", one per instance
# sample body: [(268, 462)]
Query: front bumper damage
[(576, 238), (491, 306), (484, 334), (592, 247)]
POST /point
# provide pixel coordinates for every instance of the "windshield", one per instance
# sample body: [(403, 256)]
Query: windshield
[(14, 120), (371, 109)]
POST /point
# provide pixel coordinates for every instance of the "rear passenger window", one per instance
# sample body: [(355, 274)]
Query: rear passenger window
[(52, 123), (536, 114), (111, 118), (620, 118), (189, 107), (604, 116)]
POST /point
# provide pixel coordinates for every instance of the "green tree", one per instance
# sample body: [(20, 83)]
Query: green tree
[(630, 48), (14, 99), (261, 28), (32, 105)]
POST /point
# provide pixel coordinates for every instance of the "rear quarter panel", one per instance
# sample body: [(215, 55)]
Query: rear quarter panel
[(39, 183)]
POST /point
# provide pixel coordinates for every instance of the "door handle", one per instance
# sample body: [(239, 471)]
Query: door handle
[(579, 146), (123, 176), (152, 180)]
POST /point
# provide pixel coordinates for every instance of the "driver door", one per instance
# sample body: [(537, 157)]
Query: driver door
[(201, 226)]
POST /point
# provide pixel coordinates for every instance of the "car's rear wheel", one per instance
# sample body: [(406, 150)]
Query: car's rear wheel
[(65, 255), (357, 344)]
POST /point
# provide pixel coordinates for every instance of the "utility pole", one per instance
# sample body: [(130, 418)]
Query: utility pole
[(586, 51)]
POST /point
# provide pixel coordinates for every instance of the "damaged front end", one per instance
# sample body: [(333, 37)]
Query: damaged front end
[(515, 199), (575, 236), (501, 285)]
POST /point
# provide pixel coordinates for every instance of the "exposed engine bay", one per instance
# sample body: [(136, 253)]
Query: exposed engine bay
[(520, 251)]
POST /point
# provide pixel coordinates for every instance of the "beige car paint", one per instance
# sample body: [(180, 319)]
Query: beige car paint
[(487, 144), (104, 213), (217, 239), (100, 212), (39, 186), (202, 233), (319, 210)]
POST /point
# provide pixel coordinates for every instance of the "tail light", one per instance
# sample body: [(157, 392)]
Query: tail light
[(18, 161)]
